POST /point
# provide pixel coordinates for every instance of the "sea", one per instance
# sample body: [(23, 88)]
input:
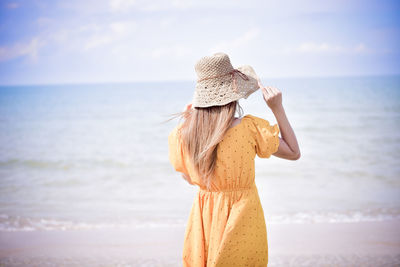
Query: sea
[(95, 156)]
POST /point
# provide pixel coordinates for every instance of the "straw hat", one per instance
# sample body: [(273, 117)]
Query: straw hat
[(219, 83)]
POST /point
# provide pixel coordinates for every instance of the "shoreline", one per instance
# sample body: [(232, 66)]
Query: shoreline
[(312, 244)]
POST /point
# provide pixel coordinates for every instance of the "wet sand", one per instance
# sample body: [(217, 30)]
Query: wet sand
[(321, 244)]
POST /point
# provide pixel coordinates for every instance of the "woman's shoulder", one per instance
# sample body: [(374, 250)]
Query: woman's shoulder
[(255, 123), (249, 118), (247, 122)]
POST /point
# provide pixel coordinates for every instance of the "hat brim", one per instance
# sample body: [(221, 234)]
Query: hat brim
[(247, 87), (223, 90)]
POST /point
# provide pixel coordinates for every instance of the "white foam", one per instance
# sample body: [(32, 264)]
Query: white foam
[(17, 223)]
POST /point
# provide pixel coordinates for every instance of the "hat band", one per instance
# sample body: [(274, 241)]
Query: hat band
[(232, 73)]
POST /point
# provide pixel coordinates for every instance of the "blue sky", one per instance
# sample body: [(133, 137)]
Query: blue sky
[(135, 40)]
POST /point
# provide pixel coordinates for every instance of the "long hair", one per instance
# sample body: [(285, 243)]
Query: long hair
[(202, 130)]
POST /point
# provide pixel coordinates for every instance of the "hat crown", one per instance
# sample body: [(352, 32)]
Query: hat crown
[(217, 64), (219, 83)]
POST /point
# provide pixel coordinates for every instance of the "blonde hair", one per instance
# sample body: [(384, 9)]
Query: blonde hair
[(202, 130)]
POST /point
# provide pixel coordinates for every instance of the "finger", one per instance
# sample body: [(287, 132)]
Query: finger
[(273, 90), (269, 90), (276, 90), (265, 91)]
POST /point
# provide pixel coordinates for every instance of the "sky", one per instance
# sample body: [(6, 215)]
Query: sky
[(95, 41)]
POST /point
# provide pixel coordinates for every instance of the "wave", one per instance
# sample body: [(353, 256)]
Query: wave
[(334, 217), (17, 223), (63, 165)]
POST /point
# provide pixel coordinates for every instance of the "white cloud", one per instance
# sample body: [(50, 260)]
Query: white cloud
[(182, 3), (361, 48), (167, 22), (324, 47), (154, 5), (44, 21), (97, 40), (236, 43), (111, 33), (311, 47), (30, 49), (174, 51), (12, 5), (120, 5), (123, 27), (61, 36)]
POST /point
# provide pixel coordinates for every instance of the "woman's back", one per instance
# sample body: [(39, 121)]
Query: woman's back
[(229, 217), (235, 153)]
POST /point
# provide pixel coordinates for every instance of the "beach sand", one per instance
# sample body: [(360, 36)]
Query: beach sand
[(319, 244)]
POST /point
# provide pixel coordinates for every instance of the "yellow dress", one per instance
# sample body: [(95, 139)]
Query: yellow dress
[(226, 225)]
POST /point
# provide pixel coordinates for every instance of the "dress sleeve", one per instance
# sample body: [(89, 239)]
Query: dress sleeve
[(266, 136), (175, 151)]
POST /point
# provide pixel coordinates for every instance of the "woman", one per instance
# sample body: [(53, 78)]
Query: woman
[(215, 151)]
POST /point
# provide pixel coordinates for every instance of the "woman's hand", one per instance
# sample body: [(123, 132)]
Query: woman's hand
[(187, 109), (272, 96)]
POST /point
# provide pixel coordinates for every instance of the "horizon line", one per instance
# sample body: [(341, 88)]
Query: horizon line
[(192, 80)]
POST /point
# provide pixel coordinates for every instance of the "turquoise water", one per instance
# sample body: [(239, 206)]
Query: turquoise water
[(96, 156)]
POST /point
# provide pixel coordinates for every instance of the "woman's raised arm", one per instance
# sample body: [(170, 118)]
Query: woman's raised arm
[(288, 146)]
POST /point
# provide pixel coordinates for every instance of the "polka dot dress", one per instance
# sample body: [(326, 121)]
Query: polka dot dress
[(226, 225)]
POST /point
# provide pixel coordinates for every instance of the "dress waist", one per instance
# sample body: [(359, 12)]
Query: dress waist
[(234, 189)]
